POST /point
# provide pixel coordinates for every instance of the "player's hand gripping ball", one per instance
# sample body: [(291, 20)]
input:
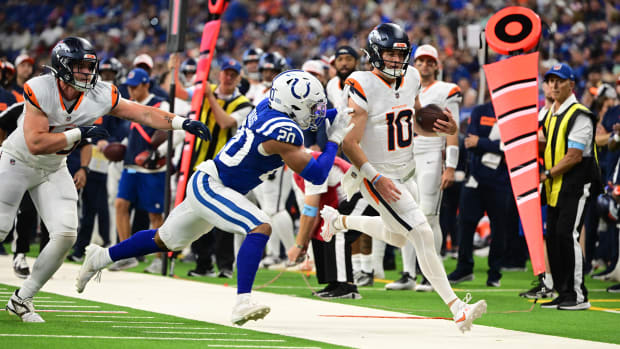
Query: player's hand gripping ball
[(426, 116)]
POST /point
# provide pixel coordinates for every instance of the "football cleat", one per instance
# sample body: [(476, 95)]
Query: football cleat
[(406, 282), (123, 264), (466, 315), (23, 308), (20, 266), (329, 215), (246, 309), (154, 267), (95, 260)]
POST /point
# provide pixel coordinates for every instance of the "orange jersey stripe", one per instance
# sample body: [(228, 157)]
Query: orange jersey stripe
[(454, 91), (356, 86), (115, 96), (31, 97), (79, 101), (374, 197)]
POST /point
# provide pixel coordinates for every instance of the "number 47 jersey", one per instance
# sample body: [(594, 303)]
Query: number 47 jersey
[(388, 136), (243, 164)]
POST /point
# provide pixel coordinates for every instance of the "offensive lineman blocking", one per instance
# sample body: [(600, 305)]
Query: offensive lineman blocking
[(270, 137), (380, 147), (58, 109)]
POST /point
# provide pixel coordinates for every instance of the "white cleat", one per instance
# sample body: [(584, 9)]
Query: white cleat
[(23, 308), (94, 261), (465, 317), (329, 215), (246, 309)]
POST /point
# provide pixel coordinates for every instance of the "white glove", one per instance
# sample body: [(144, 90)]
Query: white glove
[(341, 126)]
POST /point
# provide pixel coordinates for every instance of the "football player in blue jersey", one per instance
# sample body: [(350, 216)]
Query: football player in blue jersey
[(270, 137)]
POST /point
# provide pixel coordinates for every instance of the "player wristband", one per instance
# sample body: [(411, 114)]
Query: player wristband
[(301, 247), (452, 156), (617, 138), (368, 171), (177, 123), (73, 135), (309, 211), (374, 181)]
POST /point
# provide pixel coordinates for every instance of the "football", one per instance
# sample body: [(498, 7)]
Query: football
[(426, 116), (114, 151)]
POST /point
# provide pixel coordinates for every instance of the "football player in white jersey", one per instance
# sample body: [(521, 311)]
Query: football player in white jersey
[(430, 175), (380, 147), (59, 109)]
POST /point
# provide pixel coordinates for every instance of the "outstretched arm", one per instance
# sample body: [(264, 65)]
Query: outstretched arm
[(157, 118)]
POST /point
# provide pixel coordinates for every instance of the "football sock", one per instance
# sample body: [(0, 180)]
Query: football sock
[(356, 262), (366, 262), (249, 256), (139, 244), (49, 260)]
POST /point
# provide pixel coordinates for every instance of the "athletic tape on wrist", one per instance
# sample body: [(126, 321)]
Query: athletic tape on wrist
[(368, 171), (452, 156), (73, 135), (309, 211), (177, 123)]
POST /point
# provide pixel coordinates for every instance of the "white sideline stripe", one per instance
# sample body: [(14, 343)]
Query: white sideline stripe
[(144, 338), (203, 333), (257, 346), (109, 316), (167, 327), (67, 306), (139, 322)]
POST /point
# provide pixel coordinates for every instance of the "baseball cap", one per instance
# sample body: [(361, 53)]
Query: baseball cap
[(231, 64), (143, 59), (345, 50), (562, 70), (426, 50), (606, 91), (136, 77), (23, 58), (313, 66)]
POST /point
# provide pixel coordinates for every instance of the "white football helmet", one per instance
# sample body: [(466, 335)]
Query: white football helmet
[(301, 96)]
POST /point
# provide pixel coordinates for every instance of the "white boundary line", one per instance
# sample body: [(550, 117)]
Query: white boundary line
[(166, 327), (142, 338), (291, 316)]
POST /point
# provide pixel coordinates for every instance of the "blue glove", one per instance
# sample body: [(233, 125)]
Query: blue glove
[(94, 132), (197, 128), (330, 114)]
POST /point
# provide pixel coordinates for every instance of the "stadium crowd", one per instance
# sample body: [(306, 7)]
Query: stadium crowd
[(307, 35)]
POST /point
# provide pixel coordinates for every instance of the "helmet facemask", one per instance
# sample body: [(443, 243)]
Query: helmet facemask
[(301, 96), (79, 68), (381, 64)]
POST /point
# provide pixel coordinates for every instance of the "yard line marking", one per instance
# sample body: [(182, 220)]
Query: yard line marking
[(139, 322), (607, 310), (78, 311), (203, 333), (166, 327), (67, 306), (38, 301), (144, 338), (109, 316), (257, 346)]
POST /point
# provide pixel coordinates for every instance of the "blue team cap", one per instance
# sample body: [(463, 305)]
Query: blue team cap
[(563, 71), (136, 77), (231, 64)]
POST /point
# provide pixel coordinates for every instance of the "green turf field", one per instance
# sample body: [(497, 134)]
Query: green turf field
[(505, 309), (72, 322)]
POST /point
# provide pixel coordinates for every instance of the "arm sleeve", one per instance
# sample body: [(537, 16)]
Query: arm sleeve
[(316, 171)]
